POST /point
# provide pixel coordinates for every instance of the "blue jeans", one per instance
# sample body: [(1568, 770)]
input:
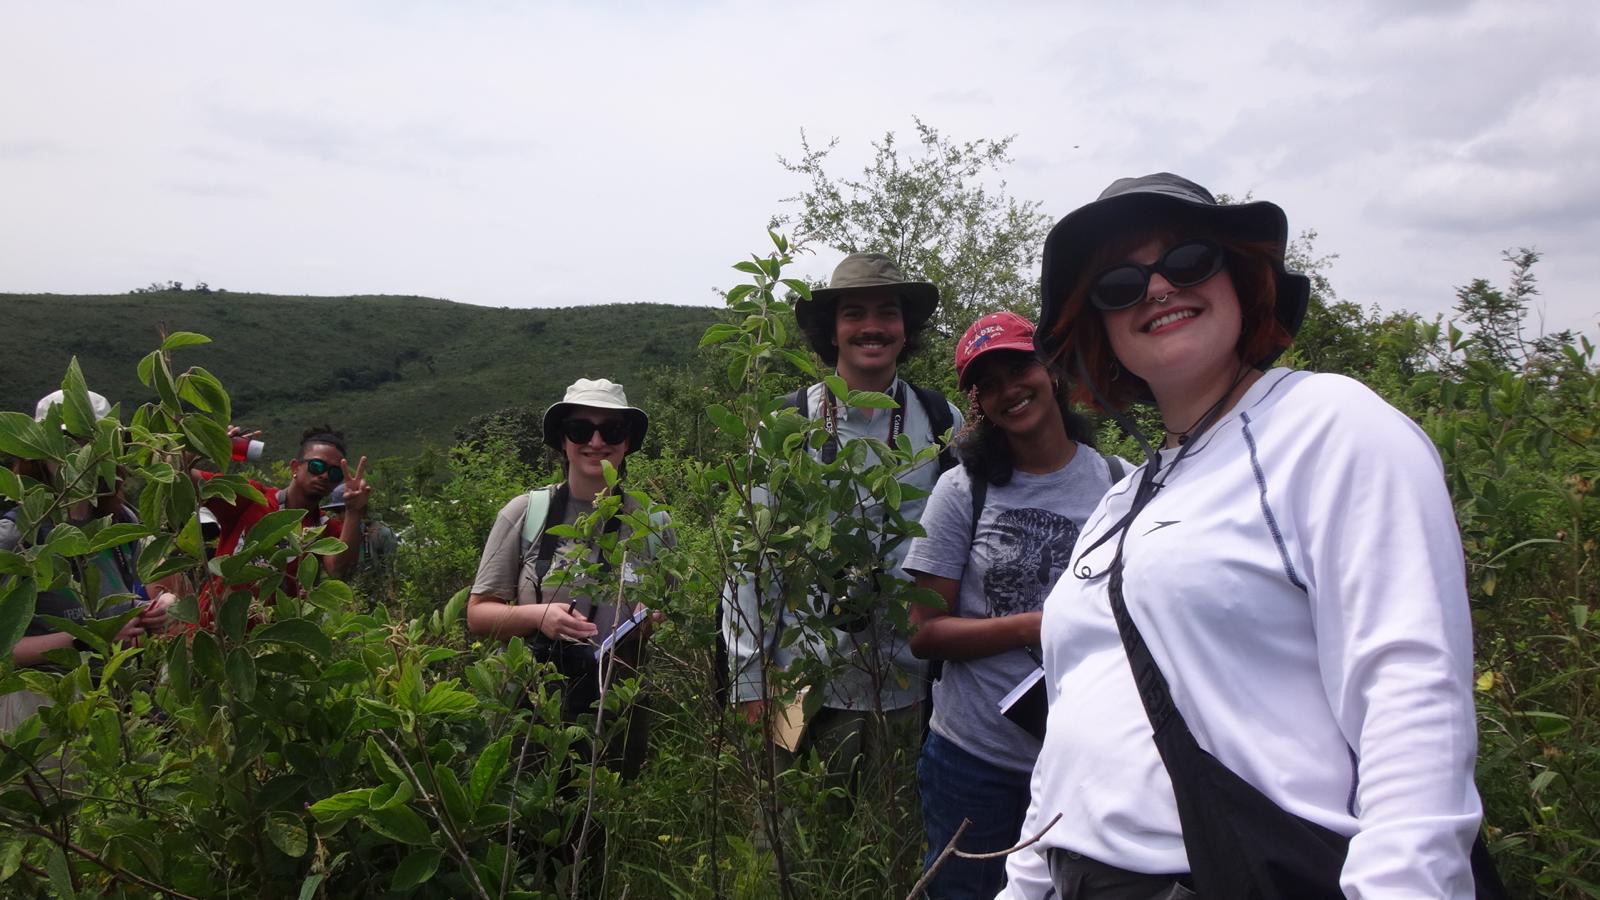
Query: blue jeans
[(956, 785)]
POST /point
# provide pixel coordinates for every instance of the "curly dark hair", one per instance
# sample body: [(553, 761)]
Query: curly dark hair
[(822, 327), (985, 449), (322, 434)]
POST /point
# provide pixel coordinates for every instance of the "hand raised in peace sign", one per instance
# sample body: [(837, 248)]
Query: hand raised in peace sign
[(355, 487)]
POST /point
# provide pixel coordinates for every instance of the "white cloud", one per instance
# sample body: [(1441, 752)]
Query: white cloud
[(558, 153)]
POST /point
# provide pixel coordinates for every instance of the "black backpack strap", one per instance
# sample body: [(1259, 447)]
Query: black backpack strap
[(1117, 469), (554, 514), (940, 420), (799, 401)]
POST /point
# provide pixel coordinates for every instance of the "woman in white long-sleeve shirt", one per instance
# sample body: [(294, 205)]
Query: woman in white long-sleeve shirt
[(1297, 576)]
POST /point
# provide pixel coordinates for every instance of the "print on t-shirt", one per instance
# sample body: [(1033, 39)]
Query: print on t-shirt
[(1034, 547)]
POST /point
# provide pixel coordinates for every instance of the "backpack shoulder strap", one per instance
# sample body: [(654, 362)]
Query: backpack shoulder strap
[(659, 522), (533, 517), (799, 401), (940, 420), (1118, 470)]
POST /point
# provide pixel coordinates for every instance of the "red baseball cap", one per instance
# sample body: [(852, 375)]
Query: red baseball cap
[(996, 331)]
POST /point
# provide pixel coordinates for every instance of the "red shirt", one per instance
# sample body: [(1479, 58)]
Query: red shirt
[(237, 518)]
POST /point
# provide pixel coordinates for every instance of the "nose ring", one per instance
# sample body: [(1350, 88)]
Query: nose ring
[(1163, 298)]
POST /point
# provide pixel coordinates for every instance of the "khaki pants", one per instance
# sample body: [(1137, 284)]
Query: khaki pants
[(17, 706), (855, 746)]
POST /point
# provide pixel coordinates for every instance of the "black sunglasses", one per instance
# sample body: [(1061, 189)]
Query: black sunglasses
[(1184, 265), (318, 467), (579, 431)]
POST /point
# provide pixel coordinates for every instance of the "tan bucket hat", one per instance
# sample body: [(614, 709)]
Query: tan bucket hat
[(595, 393)]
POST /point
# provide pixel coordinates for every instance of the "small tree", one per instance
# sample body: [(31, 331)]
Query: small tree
[(941, 214)]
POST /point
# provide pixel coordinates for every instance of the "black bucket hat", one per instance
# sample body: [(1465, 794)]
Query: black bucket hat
[(1129, 201), (862, 272)]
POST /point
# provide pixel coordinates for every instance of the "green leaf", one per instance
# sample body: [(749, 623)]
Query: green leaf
[(18, 597), (731, 424), (308, 888), (342, 805), (118, 534), (207, 658), (383, 765), (55, 863), (416, 869), (399, 823), (241, 668), (486, 772), (456, 608), (302, 633), (330, 593), (22, 437), (76, 413), (13, 563), (11, 858), (178, 670), (443, 698), (272, 528), (327, 546), (718, 333), (190, 539), (288, 834), (800, 360), (389, 796), (105, 736), (801, 289), (179, 339), (235, 615), (870, 400), (748, 267), (837, 387), (208, 439), (10, 485), (205, 392), (67, 540), (455, 799)]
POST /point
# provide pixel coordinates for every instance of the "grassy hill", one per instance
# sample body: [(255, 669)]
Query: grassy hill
[(392, 372)]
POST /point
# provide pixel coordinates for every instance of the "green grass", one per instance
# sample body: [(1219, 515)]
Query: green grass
[(392, 372)]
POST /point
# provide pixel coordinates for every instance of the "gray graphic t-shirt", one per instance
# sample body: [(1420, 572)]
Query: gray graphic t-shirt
[(1024, 541)]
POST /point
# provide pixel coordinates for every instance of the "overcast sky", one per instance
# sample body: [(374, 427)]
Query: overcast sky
[(535, 154)]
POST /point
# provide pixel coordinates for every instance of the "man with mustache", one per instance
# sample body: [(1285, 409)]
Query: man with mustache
[(864, 323)]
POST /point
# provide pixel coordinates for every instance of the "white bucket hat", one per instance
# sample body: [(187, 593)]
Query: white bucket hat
[(97, 404), (597, 393)]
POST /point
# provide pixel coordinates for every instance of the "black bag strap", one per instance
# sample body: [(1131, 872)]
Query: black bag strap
[(1173, 737), (545, 550), (940, 420)]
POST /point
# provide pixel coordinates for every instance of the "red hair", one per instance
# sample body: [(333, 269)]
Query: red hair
[(1080, 332)]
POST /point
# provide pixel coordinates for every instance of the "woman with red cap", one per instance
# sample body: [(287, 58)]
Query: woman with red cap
[(1259, 664), (1000, 529)]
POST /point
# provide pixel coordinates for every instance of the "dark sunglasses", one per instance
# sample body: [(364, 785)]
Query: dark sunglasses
[(579, 431), (318, 467), (1184, 265)]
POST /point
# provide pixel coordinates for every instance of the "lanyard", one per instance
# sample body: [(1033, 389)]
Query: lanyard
[(129, 574), (830, 420)]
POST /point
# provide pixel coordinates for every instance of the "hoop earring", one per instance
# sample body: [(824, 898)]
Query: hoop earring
[(1116, 370)]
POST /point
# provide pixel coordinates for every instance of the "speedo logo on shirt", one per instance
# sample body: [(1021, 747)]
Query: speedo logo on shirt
[(1160, 525)]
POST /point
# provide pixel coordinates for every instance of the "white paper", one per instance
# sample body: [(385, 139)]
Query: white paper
[(1023, 686), (623, 629)]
